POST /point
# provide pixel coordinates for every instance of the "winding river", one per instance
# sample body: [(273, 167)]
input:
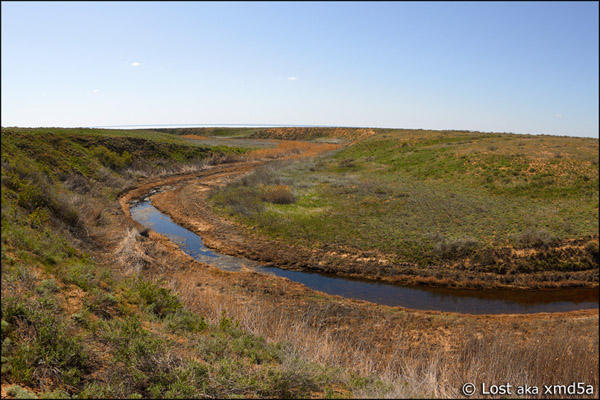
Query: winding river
[(488, 301)]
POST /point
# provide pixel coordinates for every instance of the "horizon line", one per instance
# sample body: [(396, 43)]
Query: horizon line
[(142, 126)]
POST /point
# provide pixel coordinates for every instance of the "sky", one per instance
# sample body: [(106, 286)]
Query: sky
[(522, 67)]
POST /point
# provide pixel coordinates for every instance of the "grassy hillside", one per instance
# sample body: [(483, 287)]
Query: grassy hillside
[(447, 202), (79, 320)]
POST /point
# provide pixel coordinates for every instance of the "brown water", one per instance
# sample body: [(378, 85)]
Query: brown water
[(472, 301)]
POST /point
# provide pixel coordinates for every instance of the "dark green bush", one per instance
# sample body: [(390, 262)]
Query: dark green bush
[(103, 304), (158, 300), (184, 320), (592, 249), (347, 163)]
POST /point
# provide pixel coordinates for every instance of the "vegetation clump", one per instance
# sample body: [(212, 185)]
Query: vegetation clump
[(248, 195), (457, 248), (279, 194), (534, 238)]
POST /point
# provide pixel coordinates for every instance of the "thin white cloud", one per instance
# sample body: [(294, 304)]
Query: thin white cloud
[(135, 64), (292, 78), (558, 115), (95, 90)]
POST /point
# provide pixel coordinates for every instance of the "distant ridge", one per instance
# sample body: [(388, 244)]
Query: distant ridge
[(215, 126)]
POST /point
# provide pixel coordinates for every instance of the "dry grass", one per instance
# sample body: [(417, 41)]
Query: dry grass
[(279, 194), (291, 149), (562, 352), (129, 254)]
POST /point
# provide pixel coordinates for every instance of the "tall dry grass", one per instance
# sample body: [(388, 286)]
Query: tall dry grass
[(291, 149), (568, 353)]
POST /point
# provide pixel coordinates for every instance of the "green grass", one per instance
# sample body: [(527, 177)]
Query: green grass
[(95, 152), (422, 196)]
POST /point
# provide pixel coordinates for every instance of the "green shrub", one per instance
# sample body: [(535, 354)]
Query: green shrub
[(534, 238), (263, 175), (38, 217), (32, 198), (20, 393), (453, 249), (112, 159), (145, 365), (46, 350), (184, 320), (347, 163), (592, 249), (158, 300), (56, 394), (81, 274), (102, 304)]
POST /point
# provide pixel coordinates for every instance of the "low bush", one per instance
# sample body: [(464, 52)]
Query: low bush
[(44, 350), (241, 200), (47, 286), (280, 194), (263, 175), (104, 305), (457, 248), (145, 366), (20, 393), (184, 320), (157, 300), (592, 249), (112, 159), (534, 238)]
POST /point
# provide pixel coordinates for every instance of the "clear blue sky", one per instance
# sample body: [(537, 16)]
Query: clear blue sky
[(490, 66)]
